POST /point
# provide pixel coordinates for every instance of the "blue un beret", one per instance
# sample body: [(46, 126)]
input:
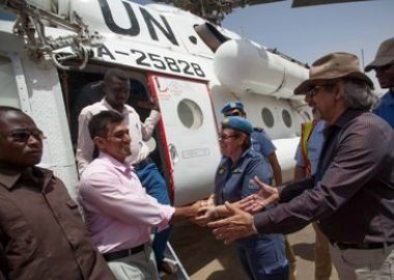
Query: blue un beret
[(233, 105), (238, 123)]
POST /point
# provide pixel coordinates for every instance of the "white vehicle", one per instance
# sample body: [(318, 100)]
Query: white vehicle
[(54, 55)]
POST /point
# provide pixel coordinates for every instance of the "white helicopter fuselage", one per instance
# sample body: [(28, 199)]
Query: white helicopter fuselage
[(159, 48)]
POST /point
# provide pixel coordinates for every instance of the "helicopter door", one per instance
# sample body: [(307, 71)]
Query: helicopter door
[(189, 130)]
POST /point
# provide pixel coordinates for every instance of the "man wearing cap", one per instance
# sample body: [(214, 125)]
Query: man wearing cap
[(383, 64), (262, 257), (352, 195)]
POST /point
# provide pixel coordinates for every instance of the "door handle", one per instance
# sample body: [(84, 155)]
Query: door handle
[(173, 153)]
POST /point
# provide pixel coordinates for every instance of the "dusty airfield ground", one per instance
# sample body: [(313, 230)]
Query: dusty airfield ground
[(206, 258)]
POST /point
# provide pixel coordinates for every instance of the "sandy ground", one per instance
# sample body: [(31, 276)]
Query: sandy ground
[(206, 258)]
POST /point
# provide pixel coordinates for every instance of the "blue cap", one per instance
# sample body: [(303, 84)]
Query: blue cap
[(233, 105), (238, 123)]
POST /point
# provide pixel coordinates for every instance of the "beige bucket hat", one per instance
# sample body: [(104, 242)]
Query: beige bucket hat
[(333, 66), (384, 56)]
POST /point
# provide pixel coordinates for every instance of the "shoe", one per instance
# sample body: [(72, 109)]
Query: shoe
[(168, 266)]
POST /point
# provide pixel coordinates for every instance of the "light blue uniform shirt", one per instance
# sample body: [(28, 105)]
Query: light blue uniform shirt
[(315, 144), (385, 108), (262, 144)]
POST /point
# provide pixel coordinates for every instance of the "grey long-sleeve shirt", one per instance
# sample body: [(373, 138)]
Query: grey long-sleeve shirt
[(354, 200)]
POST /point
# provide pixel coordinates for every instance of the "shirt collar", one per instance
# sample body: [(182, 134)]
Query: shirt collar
[(125, 168), (347, 116), (342, 120), (9, 179), (241, 158), (126, 109)]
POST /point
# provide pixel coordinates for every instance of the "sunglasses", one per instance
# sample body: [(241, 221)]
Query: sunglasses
[(223, 137), (23, 135), (315, 90)]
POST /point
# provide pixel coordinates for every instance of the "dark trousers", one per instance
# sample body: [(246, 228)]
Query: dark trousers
[(263, 257)]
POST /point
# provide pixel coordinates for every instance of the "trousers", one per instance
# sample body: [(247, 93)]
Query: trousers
[(263, 257), (155, 185), (291, 257), (365, 264), (323, 266), (140, 266)]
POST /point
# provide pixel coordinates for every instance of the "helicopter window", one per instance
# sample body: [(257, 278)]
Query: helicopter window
[(190, 114), (286, 118), (267, 116), (210, 35), (9, 94)]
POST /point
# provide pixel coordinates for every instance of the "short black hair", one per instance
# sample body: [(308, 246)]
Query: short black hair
[(98, 125), (115, 72)]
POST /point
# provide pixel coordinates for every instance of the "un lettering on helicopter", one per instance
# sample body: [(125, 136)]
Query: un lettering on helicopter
[(53, 57)]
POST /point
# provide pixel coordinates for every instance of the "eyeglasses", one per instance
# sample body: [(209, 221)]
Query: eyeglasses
[(233, 114), (223, 137), (315, 90), (23, 135)]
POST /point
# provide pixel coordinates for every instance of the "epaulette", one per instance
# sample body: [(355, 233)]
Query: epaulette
[(258, 129)]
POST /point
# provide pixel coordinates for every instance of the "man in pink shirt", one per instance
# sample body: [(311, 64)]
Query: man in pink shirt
[(117, 88), (118, 211)]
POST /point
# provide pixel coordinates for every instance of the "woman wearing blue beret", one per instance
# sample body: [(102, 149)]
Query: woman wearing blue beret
[(262, 256)]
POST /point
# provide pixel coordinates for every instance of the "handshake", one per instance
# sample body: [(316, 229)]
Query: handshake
[(234, 220)]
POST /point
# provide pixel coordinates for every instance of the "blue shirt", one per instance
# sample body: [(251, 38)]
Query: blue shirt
[(315, 144), (232, 183), (385, 108), (262, 144)]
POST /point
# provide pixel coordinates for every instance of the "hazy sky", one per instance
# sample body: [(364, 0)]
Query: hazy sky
[(310, 32)]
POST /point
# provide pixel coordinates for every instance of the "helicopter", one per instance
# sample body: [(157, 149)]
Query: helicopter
[(54, 54)]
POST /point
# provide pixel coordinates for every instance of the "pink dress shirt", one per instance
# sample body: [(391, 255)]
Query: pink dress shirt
[(119, 213)]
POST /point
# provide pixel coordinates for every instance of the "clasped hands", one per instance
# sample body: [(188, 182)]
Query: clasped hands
[(232, 221)]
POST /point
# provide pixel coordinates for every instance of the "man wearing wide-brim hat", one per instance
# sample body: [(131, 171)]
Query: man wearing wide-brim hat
[(383, 64), (352, 194)]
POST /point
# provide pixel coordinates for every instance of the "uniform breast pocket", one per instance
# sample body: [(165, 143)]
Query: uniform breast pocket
[(73, 210), (76, 230)]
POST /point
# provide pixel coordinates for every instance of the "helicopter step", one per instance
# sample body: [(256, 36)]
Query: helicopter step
[(171, 256)]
